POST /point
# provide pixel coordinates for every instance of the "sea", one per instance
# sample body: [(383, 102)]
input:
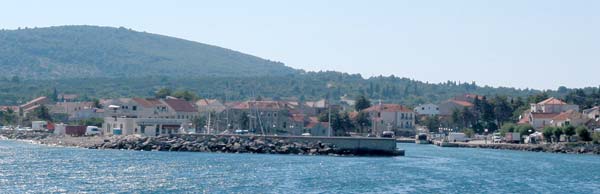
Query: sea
[(34, 168)]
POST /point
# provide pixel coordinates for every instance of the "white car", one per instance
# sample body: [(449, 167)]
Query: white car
[(92, 130)]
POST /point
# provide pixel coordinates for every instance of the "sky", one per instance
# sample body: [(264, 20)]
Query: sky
[(541, 44)]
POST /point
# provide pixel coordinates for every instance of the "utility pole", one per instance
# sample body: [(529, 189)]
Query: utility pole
[(329, 114)]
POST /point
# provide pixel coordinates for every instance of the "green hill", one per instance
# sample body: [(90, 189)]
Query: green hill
[(91, 51)]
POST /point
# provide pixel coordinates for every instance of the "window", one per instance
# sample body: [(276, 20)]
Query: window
[(422, 108), (134, 108)]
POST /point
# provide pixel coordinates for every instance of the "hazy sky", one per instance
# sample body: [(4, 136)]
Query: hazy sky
[(527, 44)]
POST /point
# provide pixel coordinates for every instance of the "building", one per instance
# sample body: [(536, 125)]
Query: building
[(552, 105), (35, 103), (144, 126), (391, 117), (540, 120), (67, 97), (447, 107), (210, 105), (592, 113), (181, 109), (146, 116), (76, 110), (570, 117), (427, 109), (316, 128), (262, 117)]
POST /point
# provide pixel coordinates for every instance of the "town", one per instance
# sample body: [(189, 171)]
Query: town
[(464, 118)]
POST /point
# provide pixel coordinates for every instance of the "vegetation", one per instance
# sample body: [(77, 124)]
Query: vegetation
[(91, 51), (362, 103), (569, 131), (91, 122), (548, 132), (583, 133)]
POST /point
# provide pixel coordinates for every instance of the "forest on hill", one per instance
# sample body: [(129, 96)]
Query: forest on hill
[(65, 52)]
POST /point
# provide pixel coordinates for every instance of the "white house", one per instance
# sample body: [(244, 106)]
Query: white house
[(391, 117), (427, 109)]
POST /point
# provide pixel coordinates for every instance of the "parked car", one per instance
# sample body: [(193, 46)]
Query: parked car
[(458, 137), (389, 134), (92, 130)]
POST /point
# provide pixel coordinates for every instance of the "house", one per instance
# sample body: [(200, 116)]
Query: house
[(122, 107), (210, 105), (540, 120), (552, 105), (427, 109), (592, 113), (35, 103), (67, 97), (447, 107), (570, 117), (181, 109), (76, 110), (391, 117), (144, 126), (316, 128), (147, 116), (262, 117)]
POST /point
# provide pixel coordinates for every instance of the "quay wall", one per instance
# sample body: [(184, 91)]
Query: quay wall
[(357, 145)]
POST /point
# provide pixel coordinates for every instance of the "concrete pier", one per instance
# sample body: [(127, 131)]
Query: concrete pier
[(364, 146)]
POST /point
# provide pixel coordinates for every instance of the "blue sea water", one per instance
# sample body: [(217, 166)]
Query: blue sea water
[(30, 168)]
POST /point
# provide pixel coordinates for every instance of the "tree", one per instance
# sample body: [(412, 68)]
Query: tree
[(468, 117), (432, 123), (42, 113), (525, 129), (162, 93), (468, 132), (457, 120), (362, 103), (54, 95), (91, 122), (362, 120), (547, 133), (583, 133), (244, 120), (502, 109), (508, 128), (97, 103), (186, 95), (569, 131), (557, 132)]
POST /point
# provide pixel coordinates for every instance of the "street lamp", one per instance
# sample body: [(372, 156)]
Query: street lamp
[(486, 135)]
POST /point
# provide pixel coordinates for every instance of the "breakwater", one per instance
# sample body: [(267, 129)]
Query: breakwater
[(336, 146), (571, 148), (255, 144)]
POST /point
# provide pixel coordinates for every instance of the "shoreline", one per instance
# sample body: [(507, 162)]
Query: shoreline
[(207, 143), (566, 148)]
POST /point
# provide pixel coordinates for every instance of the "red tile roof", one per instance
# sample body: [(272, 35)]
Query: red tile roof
[(544, 115), (147, 103), (314, 122), (272, 105), (388, 108), (570, 114), (552, 100), (462, 103), (523, 120), (34, 102), (180, 105)]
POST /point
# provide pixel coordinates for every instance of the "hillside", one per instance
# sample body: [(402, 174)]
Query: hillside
[(91, 51)]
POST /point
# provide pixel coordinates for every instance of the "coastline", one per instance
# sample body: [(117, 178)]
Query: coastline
[(204, 143), (567, 148)]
